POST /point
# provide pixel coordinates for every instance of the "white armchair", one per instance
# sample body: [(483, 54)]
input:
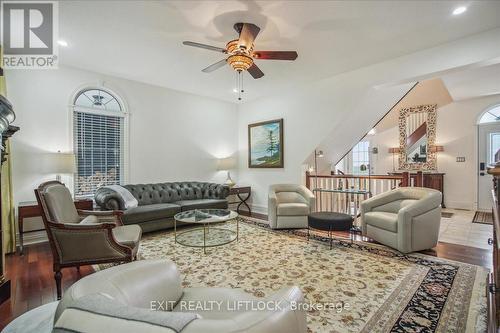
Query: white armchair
[(289, 205), (406, 219)]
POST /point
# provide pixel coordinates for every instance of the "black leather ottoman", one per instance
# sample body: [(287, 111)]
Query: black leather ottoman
[(329, 221)]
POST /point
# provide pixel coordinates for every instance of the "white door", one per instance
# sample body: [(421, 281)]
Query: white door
[(489, 143)]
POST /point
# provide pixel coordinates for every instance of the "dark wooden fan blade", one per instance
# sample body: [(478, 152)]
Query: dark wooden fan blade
[(205, 46), (215, 66), (255, 72), (275, 55), (248, 34)]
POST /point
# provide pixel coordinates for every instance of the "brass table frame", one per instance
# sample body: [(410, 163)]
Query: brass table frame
[(206, 228)]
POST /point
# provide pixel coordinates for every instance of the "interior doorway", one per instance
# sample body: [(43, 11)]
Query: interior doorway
[(488, 145)]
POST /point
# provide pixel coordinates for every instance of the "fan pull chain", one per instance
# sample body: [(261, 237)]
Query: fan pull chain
[(242, 90), (240, 85)]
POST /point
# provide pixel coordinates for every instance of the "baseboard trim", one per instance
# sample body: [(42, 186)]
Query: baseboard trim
[(33, 238), (460, 205), (259, 209)]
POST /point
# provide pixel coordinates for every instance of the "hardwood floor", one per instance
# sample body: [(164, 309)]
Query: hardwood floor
[(33, 283)]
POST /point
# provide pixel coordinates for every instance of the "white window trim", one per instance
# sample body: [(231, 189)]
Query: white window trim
[(126, 125), (350, 160), (488, 109)]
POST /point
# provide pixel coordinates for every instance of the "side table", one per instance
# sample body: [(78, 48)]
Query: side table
[(238, 191), (31, 209)]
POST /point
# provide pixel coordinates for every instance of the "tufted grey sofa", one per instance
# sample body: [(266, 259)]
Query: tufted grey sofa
[(158, 203)]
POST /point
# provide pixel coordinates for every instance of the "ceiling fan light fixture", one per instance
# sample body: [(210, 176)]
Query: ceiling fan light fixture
[(232, 46), (240, 62)]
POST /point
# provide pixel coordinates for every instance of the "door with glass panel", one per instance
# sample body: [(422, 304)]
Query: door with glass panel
[(489, 144)]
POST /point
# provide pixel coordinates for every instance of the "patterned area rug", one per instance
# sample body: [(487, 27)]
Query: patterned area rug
[(363, 287), (483, 218)]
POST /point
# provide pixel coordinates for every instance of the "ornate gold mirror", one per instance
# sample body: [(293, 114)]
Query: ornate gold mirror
[(417, 134)]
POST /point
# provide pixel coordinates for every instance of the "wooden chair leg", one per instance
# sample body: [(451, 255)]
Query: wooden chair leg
[(58, 278)]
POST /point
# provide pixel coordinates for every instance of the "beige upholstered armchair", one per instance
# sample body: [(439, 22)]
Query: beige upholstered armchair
[(146, 285), (79, 237), (289, 205), (406, 219), (147, 295)]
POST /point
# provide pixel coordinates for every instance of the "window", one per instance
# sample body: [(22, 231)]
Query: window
[(491, 116), (98, 137), (361, 158), (494, 147)]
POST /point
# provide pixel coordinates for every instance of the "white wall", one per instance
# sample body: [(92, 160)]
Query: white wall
[(333, 114), (382, 162), (174, 136), (457, 132)]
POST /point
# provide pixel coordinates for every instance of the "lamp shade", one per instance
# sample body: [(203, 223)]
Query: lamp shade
[(225, 164), (60, 163), (436, 149), (394, 150)]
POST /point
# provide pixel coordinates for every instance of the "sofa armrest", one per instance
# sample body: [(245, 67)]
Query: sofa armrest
[(108, 216), (308, 196), (107, 199), (87, 242), (223, 191), (216, 191), (272, 206), (146, 284), (424, 214), (421, 206), (283, 315)]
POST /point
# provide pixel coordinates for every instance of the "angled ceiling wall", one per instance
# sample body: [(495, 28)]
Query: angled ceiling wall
[(335, 113)]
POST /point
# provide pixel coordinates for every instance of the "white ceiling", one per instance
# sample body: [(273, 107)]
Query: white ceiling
[(474, 82), (142, 40)]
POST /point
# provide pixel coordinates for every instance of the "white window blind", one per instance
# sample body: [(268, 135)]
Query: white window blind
[(98, 145)]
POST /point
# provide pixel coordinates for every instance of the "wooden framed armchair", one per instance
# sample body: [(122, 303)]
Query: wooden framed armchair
[(80, 237)]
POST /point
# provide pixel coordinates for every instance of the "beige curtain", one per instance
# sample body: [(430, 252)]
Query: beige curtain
[(8, 217)]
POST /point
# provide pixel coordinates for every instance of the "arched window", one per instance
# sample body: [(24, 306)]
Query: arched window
[(98, 139), (491, 115)]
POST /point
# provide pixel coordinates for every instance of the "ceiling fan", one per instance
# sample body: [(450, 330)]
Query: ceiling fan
[(241, 53)]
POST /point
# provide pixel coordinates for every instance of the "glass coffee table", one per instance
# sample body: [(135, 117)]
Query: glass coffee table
[(212, 230)]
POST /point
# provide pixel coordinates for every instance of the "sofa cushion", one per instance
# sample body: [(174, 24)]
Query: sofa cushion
[(292, 209), (382, 220), (394, 206), (150, 212), (202, 204)]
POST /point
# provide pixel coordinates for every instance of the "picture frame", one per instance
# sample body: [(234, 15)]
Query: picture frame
[(429, 113), (265, 144)]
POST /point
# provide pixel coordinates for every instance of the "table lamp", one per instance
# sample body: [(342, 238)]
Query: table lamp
[(226, 164), (394, 151), (61, 163)]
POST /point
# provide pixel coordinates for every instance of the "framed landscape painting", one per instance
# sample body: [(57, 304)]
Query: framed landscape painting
[(265, 144)]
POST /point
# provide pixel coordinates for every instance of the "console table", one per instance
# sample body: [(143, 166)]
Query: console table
[(32, 209), (238, 191), (434, 180)]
